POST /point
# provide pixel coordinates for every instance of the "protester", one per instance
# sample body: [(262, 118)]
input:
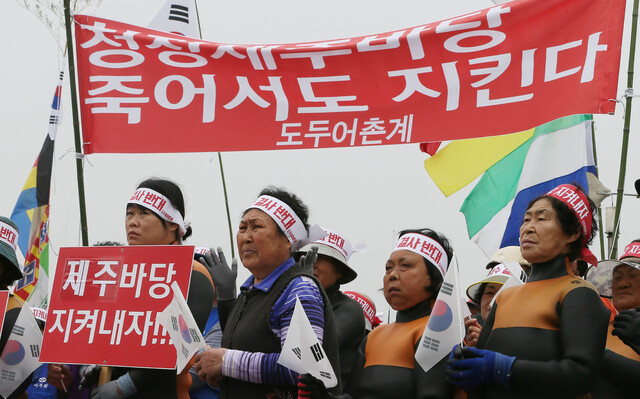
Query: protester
[(271, 229), (332, 270), (212, 337), (155, 216), (371, 319), (485, 290), (386, 366), (620, 370), (544, 338), (10, 271)]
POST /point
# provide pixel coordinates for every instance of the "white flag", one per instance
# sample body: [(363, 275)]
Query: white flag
[(445, 327), (21, 353), (517, 277), (183, 330), (303, 353), (178, 16)]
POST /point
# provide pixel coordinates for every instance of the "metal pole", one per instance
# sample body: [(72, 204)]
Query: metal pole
[(224, 183), (595, 161), (625, 130), (76, 125)]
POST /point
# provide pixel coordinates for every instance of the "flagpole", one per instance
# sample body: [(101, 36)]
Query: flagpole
[(595, 162), (224, 183), (76, 125), (625, 131)]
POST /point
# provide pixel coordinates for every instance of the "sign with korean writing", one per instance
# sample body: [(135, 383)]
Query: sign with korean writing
[(500, 70), (4, 297), (105, 301)]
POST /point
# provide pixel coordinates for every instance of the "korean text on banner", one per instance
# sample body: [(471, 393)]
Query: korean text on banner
[(183, 330), (105, 301), (301, 351), (490, 72)]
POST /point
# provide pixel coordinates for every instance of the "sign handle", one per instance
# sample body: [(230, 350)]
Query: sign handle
[(105, 375)]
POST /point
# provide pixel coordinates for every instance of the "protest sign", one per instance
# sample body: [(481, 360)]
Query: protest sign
[(105, 301)]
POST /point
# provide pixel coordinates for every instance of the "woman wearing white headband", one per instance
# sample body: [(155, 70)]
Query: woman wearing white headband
[(155, 216), (386, 367), (246, 367), (543, 339)]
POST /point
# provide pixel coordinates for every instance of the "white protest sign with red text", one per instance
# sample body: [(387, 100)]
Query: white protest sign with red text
[(105, 301), (500, 70)]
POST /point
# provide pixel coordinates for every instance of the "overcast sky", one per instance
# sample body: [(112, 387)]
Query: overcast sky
[(368, 194)]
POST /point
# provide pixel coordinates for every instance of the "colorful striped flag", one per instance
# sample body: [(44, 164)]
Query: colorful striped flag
[(558, 152), (31, 214), (515, 168)]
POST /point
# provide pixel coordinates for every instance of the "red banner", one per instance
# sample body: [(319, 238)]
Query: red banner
[(104, 304), (504, 69)]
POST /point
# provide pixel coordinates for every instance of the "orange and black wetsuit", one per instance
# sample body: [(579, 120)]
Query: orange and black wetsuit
[(555, 326), (620, 371), (387, 367)]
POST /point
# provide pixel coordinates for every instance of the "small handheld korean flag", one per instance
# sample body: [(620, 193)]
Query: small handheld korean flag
[(20, 355), (302, 352), (445, 327), (183, 330), (517, 277), (178, 16)]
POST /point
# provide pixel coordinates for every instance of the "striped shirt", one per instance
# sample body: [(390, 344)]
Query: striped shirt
[(263, 368)]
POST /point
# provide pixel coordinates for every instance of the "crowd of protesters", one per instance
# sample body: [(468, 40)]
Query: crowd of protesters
[(568, 329)]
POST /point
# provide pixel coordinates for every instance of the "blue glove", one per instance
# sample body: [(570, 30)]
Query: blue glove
[(470, 368)]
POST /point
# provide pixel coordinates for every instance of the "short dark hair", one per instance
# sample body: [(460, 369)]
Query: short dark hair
[(570, 223), (434, 273), (293, 201), (170, 190)]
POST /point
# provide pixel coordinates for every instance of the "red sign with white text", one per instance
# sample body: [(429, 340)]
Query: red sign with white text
[(500, 70), (4, 298), (104, 304)]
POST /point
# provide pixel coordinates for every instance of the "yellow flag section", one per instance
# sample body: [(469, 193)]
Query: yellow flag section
[(462, 161)]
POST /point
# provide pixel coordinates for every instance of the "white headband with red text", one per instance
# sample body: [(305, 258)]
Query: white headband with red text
[(285, 218), (426, 247), (160, 205), (9, 235), (341, 244)]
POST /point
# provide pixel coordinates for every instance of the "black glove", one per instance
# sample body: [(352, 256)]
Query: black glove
[(308, 260), (309, 387), (626, 325), (223, 276), (90, 376)]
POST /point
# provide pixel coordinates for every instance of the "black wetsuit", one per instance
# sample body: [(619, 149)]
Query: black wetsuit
[(349, 326), (620, 373), (555, 325), (387, 367)]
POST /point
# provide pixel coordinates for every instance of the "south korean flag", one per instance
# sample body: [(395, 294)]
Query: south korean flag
[(177, 319), (179, 17), (21, 353), (303, 353)]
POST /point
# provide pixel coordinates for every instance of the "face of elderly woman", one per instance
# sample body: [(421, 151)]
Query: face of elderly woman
[(541, 235), (626, 287), (261, 246), (405, 280)]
